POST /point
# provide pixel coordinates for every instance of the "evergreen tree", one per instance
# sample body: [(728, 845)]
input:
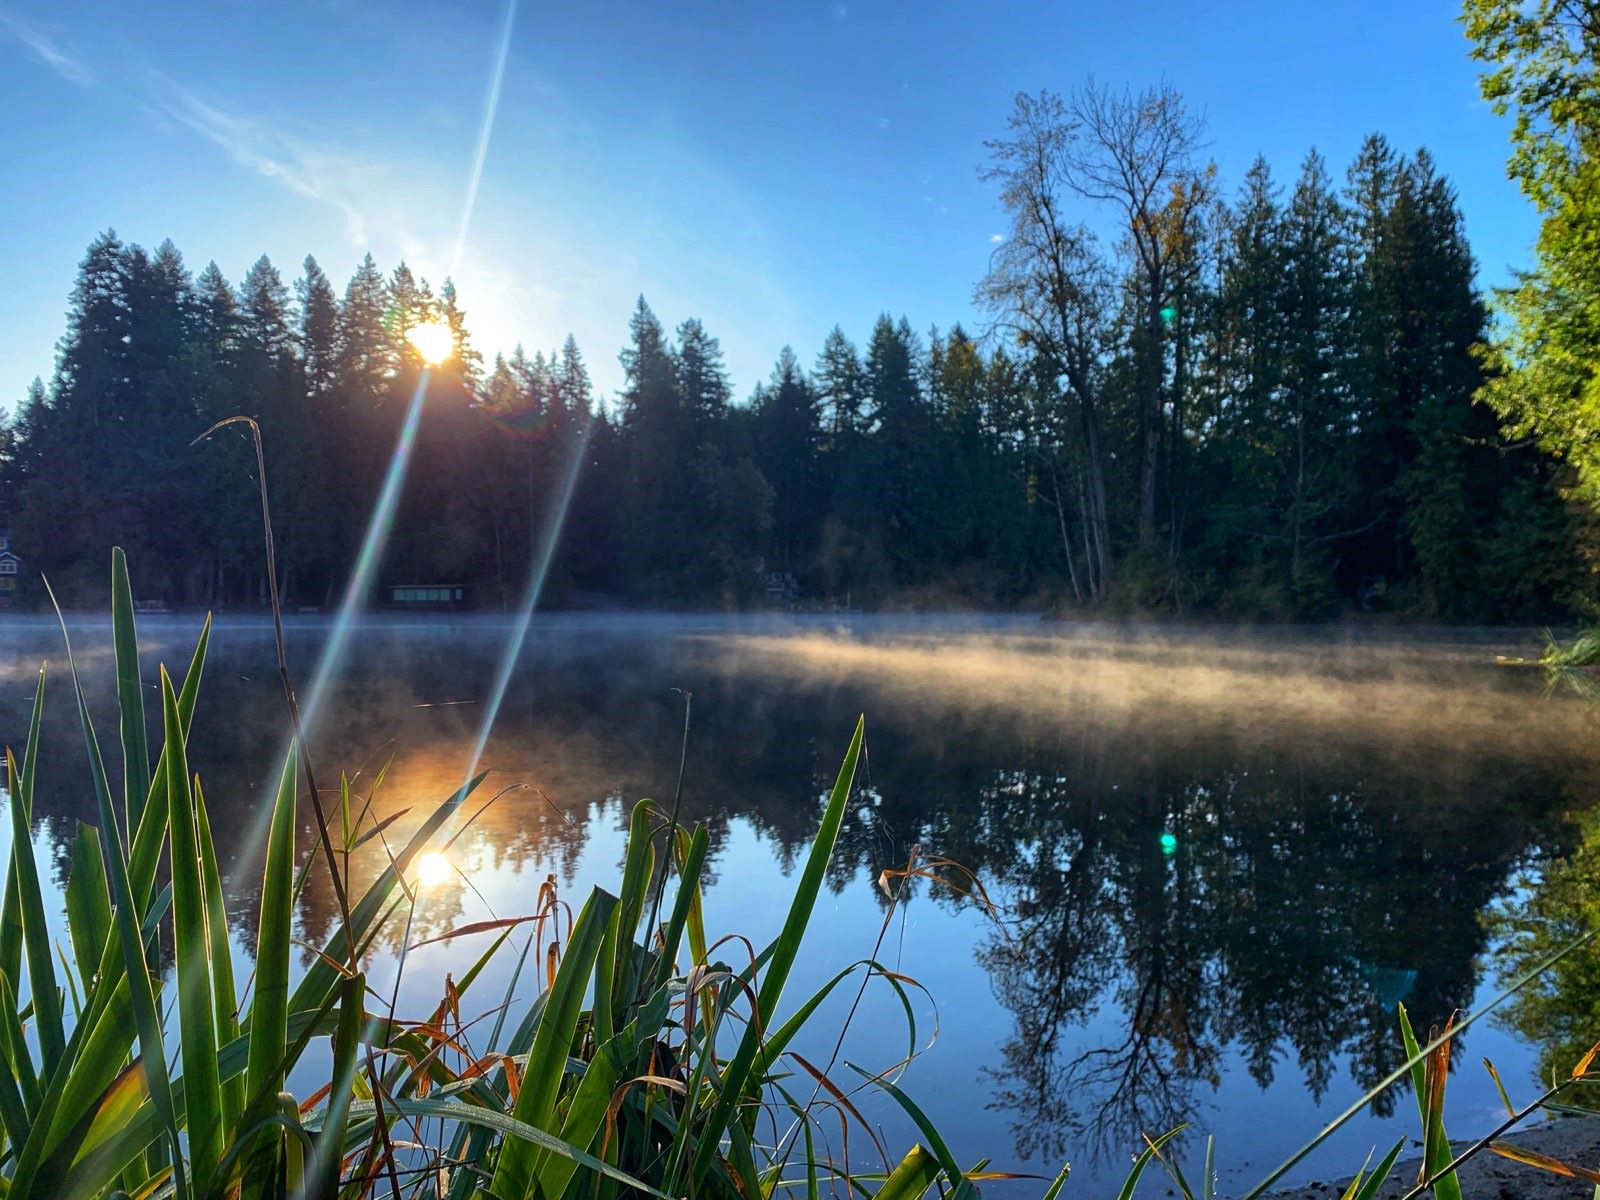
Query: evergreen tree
[(787, 433)]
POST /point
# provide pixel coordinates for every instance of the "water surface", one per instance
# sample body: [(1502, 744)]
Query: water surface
[(1214, 860)]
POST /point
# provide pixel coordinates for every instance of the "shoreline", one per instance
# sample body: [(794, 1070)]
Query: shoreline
[(1489, 1176)]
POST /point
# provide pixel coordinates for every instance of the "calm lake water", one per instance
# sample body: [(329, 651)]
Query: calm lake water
[(1342, 809)]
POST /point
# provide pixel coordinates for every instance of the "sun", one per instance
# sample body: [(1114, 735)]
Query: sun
[(433, 869), (433, 340)]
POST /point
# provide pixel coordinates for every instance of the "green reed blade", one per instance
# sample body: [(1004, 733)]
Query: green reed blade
[(586, 1113), (1359, 1105), (100, 1046), (1373, 1182), (547, 1059), (147, 844), (130, 692), (516, 1132), (11, 928), (192, 947), (130, 936), (88, 903), (14, 1048), (778, 1040), (42, 987), (329, 1152), (961, 1188), (1428, 1084), (737, 1079), (320, 977), (269, 1004), (224, 995), (691, 861), (912, 1176), (1151, 1150), (146, 840)]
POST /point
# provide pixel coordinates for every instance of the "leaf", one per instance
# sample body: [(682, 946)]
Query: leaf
[(197, 1027), (130, 693), (269, 1005), (49, 1023), (1380, 1173), (961, 1189), (1505, 1098), (912, 1176), (547, 1060), (88, 903), (1151, 1149), (487, 1118), (224, 999), (737, 1077), (473, 927), (1544, 1162), (49, 1133)]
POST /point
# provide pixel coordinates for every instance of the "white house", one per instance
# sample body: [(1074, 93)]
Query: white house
[(10, 565)]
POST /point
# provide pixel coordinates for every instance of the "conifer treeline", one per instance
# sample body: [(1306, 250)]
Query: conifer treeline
[(1276, 418)]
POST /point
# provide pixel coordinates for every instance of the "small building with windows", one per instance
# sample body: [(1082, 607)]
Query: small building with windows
[(429, 595), (10, 568)]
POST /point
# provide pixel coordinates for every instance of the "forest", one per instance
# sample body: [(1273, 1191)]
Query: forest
[(1256, 400)]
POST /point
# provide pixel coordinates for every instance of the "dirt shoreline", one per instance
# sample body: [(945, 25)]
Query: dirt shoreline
[(1489, 1176)]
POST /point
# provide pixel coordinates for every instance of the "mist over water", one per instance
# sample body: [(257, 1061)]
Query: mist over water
[(1341, 808)]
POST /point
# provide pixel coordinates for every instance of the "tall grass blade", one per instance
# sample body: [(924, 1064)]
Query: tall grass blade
[(321, 977), (192, 944), (323, 1181), (1428, 1074), (1359, 1105), (269, 1006), (1380, 1173), (11, 930), (130, 937), (547, 1058), (736, 1079), (912, 1176), (49, 1021), (130, 692), (1151, 1150), (88, 902), (224, 996), (961, 1189)]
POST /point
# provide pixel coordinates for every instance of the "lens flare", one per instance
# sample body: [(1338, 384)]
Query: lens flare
[(433, 340), (538, 570)]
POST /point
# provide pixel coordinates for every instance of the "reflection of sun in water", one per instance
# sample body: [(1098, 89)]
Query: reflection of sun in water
[(433, 869)]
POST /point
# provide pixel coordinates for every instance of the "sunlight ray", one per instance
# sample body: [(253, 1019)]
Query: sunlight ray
[(538, 570)]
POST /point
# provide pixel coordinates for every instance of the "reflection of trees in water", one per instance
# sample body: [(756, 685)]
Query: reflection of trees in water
[(1308, 892), (1313, 875), (1560, 1011)]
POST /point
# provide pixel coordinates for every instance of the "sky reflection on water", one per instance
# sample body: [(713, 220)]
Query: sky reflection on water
[(1340, 809)]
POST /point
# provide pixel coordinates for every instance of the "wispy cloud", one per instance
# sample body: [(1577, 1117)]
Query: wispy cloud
[(316, 172), (48, 50), (996, 238)]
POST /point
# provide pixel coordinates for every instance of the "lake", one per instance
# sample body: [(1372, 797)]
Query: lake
[(1214, 859)]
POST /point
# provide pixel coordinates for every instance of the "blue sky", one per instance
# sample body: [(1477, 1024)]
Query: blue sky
[(772, 168)]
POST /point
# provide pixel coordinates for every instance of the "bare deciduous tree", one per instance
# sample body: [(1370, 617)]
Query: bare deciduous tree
[(1137, 152), (1048, 286)]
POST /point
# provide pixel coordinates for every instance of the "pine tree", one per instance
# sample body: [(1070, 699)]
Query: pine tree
[(787, 433), (1317, 417)]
